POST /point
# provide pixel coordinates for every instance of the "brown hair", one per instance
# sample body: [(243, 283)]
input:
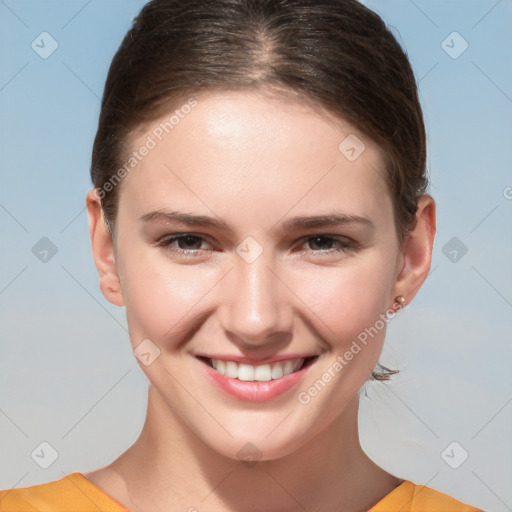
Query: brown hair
[(335, 53)]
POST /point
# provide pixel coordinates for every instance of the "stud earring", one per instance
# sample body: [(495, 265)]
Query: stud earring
[(400, 300)]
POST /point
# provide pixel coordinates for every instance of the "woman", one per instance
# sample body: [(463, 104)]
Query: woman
[(259, 206)]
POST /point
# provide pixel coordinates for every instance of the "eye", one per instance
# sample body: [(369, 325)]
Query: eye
[(195, 245), (329, 244), (184, 243)]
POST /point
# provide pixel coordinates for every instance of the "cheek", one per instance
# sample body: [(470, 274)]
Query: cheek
[(161, 297), (347, 300)]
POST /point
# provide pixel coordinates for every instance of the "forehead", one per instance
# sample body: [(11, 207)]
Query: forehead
[(254, 152)]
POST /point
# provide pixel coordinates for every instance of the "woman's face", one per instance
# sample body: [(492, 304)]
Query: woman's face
[(291, 253)]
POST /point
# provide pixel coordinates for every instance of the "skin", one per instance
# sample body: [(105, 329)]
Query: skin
[(254, 160)]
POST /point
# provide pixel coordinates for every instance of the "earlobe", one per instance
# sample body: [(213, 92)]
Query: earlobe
[(417, 250), (103, 251)]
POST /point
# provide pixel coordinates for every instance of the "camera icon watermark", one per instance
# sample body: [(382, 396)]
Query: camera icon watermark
[(44, 45), (454, 249), (454, 455), (44, 250), (351, 147), (249, 249), (249, 454), (146, 352), (44, 455), (454, 45)]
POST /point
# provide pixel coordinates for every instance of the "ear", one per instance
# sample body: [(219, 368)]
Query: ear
[(417, 250), (103, 250)]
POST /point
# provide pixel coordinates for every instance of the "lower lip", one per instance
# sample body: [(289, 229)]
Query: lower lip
[(254, 391)]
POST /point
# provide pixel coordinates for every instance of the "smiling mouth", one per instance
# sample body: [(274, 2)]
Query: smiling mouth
[(261, 373)]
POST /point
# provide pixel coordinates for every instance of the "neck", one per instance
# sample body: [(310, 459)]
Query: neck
[(168, 468)]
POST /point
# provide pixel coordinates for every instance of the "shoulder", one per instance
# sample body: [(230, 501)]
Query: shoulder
[(409, 497), (72, 492)]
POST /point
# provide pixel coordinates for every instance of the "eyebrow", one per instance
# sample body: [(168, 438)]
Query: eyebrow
[(314, 221), (324, 221), (167, 217)]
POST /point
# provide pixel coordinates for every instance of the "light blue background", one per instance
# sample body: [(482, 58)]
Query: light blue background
[(67, 373)]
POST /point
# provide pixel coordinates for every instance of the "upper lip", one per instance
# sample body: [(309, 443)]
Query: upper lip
[(256, 362)]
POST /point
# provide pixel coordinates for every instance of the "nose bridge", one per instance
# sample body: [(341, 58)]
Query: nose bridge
[(258, 293), (257, 306)]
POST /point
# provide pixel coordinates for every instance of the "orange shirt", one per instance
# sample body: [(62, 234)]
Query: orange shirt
[(74, 493)]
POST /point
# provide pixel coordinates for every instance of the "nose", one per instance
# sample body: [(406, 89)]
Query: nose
[(255, 307)]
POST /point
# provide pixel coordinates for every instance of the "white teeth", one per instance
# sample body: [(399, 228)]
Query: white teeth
[(262, 373), (288, 367), (231, 369), (245, 372), (277, 371)]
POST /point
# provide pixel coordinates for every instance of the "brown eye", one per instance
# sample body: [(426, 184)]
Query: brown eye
[(189, 242), (183, 243), (320, 242), (325, 243)]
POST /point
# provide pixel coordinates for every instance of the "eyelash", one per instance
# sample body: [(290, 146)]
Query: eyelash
[(342, 245)]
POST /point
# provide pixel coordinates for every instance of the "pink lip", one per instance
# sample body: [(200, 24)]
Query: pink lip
[(255, 391)]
